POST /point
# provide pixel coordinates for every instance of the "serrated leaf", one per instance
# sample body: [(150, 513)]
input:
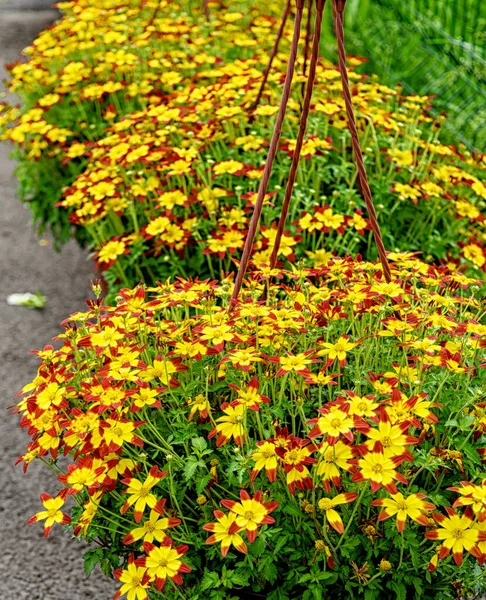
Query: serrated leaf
[(202, 483), (239, 579), (467, 420), (400, 590), (472, 454), (290, 509), (91, 559), (106, 567), (257, 547), (280, 544), (209, 580), (191, 467), (199, 444), (270, 572)]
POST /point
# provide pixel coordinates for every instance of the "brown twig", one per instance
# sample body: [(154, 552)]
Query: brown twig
[(262, 190), (302, 127), (154, 14), (338, 15), (273, 54), (206, 9), (307, 36)]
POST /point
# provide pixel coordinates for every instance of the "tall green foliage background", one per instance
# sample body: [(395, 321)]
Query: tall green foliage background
[(433, 47)]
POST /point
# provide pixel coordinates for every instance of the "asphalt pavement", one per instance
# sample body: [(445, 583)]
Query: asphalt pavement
[(31, 567)]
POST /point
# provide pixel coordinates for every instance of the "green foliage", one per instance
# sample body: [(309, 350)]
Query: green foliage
[(435, 48)]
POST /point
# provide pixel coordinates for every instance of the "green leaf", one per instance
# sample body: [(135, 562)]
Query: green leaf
[(106, 567), (258, 546), (400, 589), (202, 483), (291, 509), (210, 580), (270, 572), (466, 421), (240, 579), (471, 452), (91, 559), (280, 544), (191, 467), (199, 444)]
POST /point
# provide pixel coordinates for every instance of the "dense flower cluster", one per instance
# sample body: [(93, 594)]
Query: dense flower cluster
[(140, 126), (325, 432), (343, 413)]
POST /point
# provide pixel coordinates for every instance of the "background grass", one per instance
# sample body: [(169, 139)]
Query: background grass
[(431, 47)]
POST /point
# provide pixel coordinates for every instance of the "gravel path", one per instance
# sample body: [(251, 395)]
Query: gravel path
[(32, 568)]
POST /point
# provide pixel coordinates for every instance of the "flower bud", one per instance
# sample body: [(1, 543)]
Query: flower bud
[(385, 565)]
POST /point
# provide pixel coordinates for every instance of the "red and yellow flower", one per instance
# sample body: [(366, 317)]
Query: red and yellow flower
[(327, 505), (140, 493), (337, 350), (412, 506), (230, 426), (154, 527), (334, 457), (135, 579), (457, 534), (251, 512), (472, 495), (226, 531), (265, 457), (333, 422), (389, 439), (294, 460), (380, 470), (52, 513), (298, 363), (249, 396), (164, 562)]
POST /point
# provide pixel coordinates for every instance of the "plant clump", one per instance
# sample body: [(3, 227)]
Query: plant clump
[(329, 437), (140, 135)]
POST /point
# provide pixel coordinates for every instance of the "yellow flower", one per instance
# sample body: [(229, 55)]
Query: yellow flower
[(337, 350), (457, 534), (227, 166)]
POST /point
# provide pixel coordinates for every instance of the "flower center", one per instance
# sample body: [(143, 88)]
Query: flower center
[(457, 533), (377, 469), (329, 456), (325, 504), (144, 492), (163, 562), (293, 456), (149, 527), (386, 441), (336, 423), (249, 515), (402, 505)]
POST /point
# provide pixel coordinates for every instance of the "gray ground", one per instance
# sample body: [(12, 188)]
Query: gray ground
[(32, 568)]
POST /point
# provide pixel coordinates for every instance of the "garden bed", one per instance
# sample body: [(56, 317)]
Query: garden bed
[(318, 433)]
